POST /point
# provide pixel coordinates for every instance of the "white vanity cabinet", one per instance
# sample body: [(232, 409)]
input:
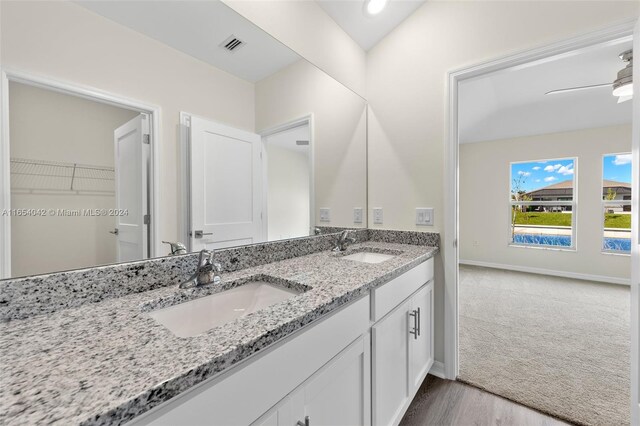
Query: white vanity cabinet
[(338, 394), (334, 348), (360, 365), (402, 345)]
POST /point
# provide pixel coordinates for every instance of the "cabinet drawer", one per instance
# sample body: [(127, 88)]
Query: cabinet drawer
[(241, 395), (386, 297)]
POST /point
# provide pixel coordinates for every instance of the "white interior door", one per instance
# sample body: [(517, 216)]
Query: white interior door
[(635, 231), (226, 186), (131, 168)]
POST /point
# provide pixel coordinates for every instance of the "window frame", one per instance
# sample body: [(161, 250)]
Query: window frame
[(603, 208), (573, 204)]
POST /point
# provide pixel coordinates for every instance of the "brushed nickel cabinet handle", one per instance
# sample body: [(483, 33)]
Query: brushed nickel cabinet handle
[(415, 330)]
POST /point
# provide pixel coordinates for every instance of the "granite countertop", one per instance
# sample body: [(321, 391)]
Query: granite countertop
[(107, 362)]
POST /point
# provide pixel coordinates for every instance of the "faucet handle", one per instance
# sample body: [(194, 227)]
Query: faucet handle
[(217, 267), (176, 247)]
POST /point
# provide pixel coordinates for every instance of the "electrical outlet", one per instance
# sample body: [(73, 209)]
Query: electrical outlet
[(424, 216), (476, 243), (325, 215), (357, 215), (377, 215)]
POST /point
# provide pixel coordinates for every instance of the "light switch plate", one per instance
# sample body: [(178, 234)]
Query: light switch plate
[(325, 215), (377, 215), (357, 215), (424, 216)]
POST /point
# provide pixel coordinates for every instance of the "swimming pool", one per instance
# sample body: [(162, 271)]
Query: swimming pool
[(609, 244)]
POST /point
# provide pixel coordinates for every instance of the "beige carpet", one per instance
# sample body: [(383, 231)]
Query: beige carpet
[(558, 345)]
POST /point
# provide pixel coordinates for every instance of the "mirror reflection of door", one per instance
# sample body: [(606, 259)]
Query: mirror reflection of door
[(226, 186), (288, 183), (131, 175), (63, 166)]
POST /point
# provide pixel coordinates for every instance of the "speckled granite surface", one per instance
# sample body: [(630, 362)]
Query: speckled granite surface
[(42, 294), (105, 363)]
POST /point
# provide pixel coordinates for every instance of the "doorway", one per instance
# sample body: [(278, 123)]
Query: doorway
[(288, 183), (591, 169), (77, 178)]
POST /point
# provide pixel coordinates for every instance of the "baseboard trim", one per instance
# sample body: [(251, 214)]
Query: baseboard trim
[(437, 369), (541, 271)]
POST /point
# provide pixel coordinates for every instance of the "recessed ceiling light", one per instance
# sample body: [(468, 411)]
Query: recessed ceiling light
[(373, 7)]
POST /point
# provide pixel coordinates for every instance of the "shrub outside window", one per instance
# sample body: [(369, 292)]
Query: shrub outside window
[(616, 203), (543, 203)]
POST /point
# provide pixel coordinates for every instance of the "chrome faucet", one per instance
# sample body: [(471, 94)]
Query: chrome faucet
[(176, 248), (208, 271), (343, 240)]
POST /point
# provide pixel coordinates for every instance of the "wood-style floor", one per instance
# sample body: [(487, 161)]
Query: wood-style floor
[(451, 403)]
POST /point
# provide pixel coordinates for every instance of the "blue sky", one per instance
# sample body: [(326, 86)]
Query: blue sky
[(617, 167), (538, 174)]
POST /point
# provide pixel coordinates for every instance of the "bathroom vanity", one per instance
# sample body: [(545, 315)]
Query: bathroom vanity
[(350, 345)]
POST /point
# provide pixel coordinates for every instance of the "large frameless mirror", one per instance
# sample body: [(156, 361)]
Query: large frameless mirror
[(133, 123)]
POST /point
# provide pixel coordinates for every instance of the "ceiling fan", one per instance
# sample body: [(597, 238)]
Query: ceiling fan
[(622, 85)]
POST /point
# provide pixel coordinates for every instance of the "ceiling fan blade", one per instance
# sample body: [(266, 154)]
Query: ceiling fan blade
[(622, 99), (572, 89)]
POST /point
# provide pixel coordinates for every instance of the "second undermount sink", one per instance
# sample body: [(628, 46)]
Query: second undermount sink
[(369, 257), (196, 316)]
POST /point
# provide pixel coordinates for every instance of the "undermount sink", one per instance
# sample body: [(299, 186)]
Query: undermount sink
[(369, 257), (196, 316)]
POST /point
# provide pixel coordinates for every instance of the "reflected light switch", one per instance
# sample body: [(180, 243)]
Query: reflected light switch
[(325, 214), (424, 216)]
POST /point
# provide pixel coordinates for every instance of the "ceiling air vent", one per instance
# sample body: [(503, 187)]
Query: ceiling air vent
[(232, 44)]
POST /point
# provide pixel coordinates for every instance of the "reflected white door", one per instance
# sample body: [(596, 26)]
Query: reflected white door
[(226, 186), (131, 166)]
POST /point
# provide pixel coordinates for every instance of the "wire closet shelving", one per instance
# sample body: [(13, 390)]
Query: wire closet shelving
[(29, 175)]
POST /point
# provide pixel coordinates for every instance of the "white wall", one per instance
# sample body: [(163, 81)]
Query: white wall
[(64, 41), (51, 126), (484, 206), (406, 88), (339, 133), (288, 195), (309, 31)]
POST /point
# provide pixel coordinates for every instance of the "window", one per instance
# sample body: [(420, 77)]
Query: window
[(542, 203), (616, 203)]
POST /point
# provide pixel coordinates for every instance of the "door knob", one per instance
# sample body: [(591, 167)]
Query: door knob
[(200, 234), (115, 231)]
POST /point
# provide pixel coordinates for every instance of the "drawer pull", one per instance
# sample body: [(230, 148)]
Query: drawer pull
[(416, 330), (418, 326)]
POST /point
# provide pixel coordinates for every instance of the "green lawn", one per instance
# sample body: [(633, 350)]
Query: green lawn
[(612, 220)]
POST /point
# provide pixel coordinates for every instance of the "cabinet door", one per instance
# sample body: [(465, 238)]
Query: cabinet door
[(421, 343), (390, 359), (280, 415), (340, 393)]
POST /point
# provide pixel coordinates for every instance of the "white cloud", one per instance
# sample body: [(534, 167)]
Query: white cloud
[(522, 173), (622, 159), (553, 168), (550, 179), (537, 180), (566, 170), (537, 168)]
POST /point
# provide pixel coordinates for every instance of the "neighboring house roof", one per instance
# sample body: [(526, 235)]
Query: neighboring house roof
[(566, 188)]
